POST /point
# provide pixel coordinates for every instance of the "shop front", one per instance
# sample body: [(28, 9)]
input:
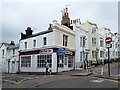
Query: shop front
[(34, 61)]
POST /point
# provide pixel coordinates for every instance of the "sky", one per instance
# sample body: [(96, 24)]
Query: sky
[(17, 16)]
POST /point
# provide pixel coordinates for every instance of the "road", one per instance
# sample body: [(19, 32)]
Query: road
[(60, 81)]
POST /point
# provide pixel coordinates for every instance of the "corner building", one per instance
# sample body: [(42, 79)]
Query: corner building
[(37, 48)]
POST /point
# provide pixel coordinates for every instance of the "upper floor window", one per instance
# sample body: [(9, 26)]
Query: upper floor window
[(25, 44), (80, 41), (93, 41), (101, 43), (116, 45), (13, 51), (34, 43), (3, 52), (45, 41), (93, 54), (93, 30), (101, 54), (65, 38)]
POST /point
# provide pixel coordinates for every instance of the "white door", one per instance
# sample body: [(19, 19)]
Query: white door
[(65, 62), (13, 67)]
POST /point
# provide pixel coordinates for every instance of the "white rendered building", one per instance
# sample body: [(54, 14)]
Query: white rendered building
[(9, 56)]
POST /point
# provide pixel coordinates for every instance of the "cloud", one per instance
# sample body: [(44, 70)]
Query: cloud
[(38, 15)]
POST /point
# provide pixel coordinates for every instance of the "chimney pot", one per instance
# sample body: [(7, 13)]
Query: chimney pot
[(71, 21), (28, 28)]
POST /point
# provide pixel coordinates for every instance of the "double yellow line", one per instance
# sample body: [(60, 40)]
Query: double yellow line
[(14, 81)]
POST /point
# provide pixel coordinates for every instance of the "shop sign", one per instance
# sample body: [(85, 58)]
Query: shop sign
[(61, 51), (46, 51), (69, 52)]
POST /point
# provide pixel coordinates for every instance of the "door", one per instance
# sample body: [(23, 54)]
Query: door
[(13, 67), (65, 62)]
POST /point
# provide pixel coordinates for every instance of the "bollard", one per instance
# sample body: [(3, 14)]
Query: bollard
[(102, 70)]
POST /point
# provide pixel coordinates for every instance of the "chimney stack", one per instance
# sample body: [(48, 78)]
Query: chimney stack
[(12, 43), (63, 12), (50, 27), (28, 31)]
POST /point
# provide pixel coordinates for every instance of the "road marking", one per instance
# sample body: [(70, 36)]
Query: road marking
[(108, 79), (97, 81)]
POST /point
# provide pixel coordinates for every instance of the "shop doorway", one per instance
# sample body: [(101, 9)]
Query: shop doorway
[(66, 62)]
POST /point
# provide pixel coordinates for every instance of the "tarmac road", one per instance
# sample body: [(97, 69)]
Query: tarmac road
[(59, 81)]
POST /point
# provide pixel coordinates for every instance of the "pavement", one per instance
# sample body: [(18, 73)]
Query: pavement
[(96, 72)]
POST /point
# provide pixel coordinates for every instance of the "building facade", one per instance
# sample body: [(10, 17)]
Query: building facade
[(36, 49), (10, 57), (81, 46)]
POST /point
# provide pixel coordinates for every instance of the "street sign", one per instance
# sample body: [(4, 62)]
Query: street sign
[(61, 51), (108, 45), (108, 40)]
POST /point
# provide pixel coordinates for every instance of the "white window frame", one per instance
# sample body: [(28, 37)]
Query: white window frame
[(34, 43), (93, 41), (65, 40), (101, 43), (25, 45), (13, 51), (26, 61), (101, 54), (41, 59), (93, 54), (44, 40), (93, 30)]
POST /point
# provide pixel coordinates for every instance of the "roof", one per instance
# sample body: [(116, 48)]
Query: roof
[(37, 34), (13, 46)]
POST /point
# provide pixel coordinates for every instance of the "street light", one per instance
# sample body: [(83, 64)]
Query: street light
[(97, 54)]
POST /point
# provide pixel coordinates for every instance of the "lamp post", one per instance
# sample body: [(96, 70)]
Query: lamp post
[(97, 54)]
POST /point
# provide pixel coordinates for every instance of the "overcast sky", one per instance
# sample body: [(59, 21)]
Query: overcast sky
[(17, 16)]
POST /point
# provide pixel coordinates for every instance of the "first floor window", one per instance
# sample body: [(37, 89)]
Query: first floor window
[(106, 54), (70, 61), (25, 44), (94, 41), (34, 43), (65, 40), (60, 60), (116, 54), (101, 54), (45, 41), (93, 54), (80, 56), (3, 52), (26, 61), (41, 59)]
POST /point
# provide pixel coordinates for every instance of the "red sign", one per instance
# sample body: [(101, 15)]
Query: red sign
[(46, 51), (108, 40), (69, 52)]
